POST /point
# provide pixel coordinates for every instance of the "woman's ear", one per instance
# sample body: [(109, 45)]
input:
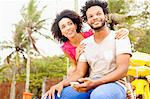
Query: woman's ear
[(76, 26), (106, 17)]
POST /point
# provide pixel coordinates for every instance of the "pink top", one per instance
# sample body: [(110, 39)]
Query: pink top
[(70, 49)]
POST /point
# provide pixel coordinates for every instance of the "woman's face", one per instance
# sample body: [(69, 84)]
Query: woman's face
[(67, 27)]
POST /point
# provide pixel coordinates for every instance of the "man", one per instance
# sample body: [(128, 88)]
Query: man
[(107, 57)]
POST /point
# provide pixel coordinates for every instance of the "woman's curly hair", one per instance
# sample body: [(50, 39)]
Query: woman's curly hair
[(76, 19), (91, 3)]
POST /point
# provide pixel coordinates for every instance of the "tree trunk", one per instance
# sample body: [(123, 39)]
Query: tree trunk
[(13, 83), (43, 87), (27, 71), (13, 86)]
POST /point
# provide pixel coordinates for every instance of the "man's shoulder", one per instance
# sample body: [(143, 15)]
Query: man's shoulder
[(112, 33), (87, 40)]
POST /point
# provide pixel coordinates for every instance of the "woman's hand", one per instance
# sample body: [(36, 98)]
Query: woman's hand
[(79, 51), (122, 33), (51, 93)]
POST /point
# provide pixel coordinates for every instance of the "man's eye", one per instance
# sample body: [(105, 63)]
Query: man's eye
[(98, 13), (70, 23)]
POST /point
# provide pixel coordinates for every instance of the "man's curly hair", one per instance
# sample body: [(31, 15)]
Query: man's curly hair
[(76, 19), (91, 3)]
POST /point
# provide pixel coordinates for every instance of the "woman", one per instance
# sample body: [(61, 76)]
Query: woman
[(67, 29)]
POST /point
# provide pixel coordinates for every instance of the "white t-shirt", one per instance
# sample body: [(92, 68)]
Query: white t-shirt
[(102, 57)]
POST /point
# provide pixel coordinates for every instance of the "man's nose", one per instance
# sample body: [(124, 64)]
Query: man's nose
[(95, 17)]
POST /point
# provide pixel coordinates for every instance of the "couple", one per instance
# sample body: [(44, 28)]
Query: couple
[(106, 58)]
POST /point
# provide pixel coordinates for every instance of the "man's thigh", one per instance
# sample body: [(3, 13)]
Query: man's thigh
[(108, 91)]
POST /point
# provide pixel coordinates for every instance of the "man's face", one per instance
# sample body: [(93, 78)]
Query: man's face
[(96, 17)]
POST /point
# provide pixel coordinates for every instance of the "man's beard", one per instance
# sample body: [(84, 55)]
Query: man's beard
[(100, 27)]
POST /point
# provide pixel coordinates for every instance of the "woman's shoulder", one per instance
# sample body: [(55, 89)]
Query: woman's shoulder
[(87, 33), (66, 45)]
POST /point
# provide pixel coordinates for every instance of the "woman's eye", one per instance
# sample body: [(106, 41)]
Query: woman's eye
[(62, 27), (90, 16)]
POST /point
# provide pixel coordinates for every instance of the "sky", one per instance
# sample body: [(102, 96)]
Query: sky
[(10, 15)]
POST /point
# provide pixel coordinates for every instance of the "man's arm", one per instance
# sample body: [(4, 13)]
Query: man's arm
[(122, 62), (82, 68), (79, 73)]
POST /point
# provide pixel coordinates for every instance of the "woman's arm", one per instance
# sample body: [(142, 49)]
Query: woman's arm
[(73, 65), (79, 50)]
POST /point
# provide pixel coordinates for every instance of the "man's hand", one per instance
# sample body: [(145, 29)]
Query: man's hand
[(86, 84), (53, 89)]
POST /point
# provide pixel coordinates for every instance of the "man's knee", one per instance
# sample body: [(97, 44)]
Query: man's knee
[(99, 95), (108, 91)]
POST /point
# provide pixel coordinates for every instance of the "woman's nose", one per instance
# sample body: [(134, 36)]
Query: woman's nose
[(67, 27)]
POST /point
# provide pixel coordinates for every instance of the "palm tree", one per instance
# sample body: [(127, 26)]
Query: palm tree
[(18, 46), (32, 24)]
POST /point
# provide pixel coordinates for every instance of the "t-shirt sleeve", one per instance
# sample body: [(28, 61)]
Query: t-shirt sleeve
[(123, 46), (82, 58)]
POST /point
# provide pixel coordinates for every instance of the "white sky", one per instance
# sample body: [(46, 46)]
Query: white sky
[(10, 14)]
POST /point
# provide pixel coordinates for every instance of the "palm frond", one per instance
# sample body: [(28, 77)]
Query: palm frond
[(46, 36), (3, 68), (6, 45), (7, 59)]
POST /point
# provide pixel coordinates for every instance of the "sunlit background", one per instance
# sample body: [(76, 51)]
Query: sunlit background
[(10, 15)]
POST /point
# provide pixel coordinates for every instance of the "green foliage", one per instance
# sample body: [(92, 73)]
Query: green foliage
[(49, 67), (144, 43), (2, 77), (117, 6), (5, 73), (3, 68), (52, 65), (20, 39), (133, 15)]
